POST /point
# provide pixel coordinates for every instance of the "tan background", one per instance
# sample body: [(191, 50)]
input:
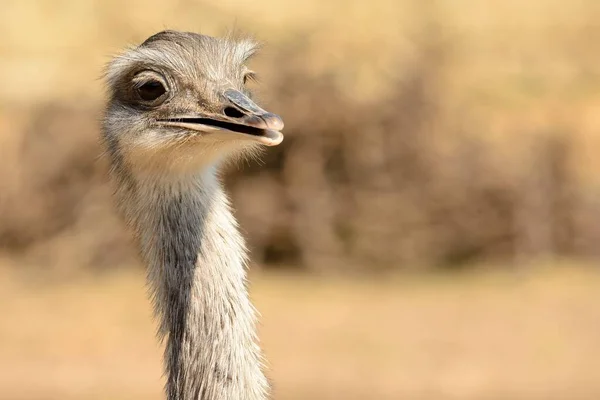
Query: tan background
[(428, 230)]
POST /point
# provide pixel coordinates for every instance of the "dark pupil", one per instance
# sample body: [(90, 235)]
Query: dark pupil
[(151, 90)]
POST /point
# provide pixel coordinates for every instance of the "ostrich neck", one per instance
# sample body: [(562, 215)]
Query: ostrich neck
[(196, 269)]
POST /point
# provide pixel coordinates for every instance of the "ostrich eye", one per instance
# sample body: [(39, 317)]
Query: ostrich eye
[(151, 90)]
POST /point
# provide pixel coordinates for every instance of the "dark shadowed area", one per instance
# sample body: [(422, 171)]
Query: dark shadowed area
[(429, 229)]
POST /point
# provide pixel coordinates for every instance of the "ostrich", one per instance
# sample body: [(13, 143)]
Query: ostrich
[(177, 109)]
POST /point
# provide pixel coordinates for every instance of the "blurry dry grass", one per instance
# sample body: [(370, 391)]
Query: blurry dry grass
[(418, 133), (434, 132), (488, 336)]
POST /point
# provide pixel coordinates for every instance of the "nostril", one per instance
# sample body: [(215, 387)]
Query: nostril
[(233, 112)]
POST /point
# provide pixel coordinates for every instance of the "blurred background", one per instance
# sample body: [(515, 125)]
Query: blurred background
[(428, 230)]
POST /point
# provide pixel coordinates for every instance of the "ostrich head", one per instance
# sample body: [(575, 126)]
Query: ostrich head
[(179, 101)]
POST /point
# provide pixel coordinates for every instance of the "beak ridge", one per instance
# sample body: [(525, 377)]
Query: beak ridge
[(253, 115)]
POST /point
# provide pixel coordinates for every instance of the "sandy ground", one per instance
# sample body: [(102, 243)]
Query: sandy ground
[(508, 336)]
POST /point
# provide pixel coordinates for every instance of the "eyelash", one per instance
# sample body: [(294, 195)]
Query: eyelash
[(250, 76)]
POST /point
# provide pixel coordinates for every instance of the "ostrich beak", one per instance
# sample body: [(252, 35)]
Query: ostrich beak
[(245, 112), (240, 115), (253, 114)]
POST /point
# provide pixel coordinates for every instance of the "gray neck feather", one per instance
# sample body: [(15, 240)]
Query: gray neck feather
[(196, 269)]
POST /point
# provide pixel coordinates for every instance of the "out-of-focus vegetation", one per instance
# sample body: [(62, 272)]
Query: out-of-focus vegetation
[(419, 134), (430, 133)]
